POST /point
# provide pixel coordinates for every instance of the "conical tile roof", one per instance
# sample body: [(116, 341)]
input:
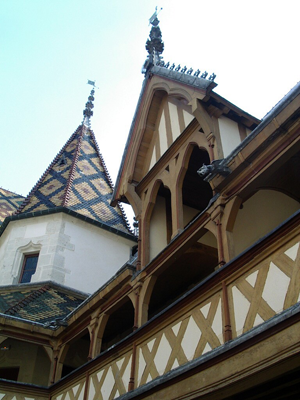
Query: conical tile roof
[(77, 179), (9, 203)]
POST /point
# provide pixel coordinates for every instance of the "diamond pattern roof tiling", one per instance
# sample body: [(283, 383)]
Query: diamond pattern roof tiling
[(39, 304), (9, 203), (78, 179)]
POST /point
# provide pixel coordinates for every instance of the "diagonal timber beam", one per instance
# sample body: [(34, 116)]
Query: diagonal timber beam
[(202, 116)]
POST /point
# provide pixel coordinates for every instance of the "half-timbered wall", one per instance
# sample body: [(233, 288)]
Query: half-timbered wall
[(173, 117)]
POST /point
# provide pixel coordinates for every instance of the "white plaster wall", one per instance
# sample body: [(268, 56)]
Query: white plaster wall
[(188, 214), (153, 158), (71, 252), (174, 121), (260, 214), (230, 135), (158, 228), (188, 118), (96, 257), (163, 134), (248, 131), (23, 237)]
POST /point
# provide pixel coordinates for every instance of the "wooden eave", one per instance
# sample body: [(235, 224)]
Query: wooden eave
[(217, 106), (26, 331), (260, 149)]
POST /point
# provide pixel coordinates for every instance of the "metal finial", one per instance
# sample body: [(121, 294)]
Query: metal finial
[(87, 112), (154, 45)]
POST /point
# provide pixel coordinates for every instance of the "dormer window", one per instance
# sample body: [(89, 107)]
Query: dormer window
[(29, 267)]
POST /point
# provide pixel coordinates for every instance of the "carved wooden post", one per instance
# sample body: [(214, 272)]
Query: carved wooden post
[(216, 217), (227, 322), (53, 368), (93, 330)]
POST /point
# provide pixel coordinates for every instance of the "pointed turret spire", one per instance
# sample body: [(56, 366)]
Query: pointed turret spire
[(77, 179)]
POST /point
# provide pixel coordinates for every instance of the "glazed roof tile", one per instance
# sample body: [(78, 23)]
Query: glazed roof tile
[(9, 203), (39, 304), (77, 179)]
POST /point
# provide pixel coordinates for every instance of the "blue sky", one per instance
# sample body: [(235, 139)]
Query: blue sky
[(49, 49)]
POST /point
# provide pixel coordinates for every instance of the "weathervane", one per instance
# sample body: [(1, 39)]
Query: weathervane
[(154, 17), (87, 112)]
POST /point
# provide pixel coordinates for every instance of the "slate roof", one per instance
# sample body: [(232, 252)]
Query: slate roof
[(77, 179), (43, 303), (9, 203)]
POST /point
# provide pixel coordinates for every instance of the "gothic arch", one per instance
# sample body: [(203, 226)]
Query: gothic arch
[(159, 220), (118, 324), (74, 353), (192, 192)]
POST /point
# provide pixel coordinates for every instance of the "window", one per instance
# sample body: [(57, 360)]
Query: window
[(29, 267), (10, 373)]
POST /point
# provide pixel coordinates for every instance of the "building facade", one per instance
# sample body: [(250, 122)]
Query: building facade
[(206, 304)]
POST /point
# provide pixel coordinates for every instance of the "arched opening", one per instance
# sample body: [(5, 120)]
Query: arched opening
[(261, 213), (267, 201), (119, 324), (76, 353), (160, 225), (188, 269), (24, 362), (196, 193)]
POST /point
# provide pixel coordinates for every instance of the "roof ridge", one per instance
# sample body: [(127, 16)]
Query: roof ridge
[(43, 176), (101, 159), (73, 167), (28, 299), (109, 179)]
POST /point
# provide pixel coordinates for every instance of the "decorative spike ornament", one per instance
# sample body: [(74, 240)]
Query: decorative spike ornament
[(87, 112), (154, 45)]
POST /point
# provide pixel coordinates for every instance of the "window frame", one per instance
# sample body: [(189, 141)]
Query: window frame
[(25, 258)]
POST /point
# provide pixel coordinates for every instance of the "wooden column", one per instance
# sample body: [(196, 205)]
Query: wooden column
[(227, 322), (216, 217)]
